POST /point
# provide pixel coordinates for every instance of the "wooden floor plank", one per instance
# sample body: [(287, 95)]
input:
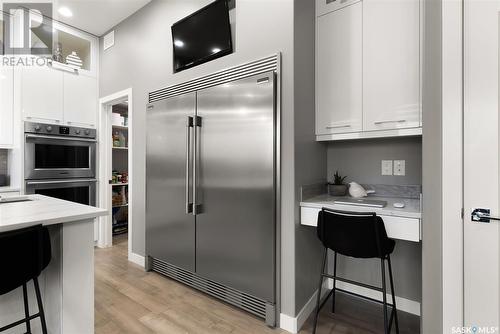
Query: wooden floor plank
[(130, 300)]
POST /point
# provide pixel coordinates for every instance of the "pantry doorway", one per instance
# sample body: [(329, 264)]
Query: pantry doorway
[(115, 171)]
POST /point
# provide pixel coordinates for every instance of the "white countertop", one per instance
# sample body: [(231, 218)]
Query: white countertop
[(7, 189), (411, 209), (44, 210)]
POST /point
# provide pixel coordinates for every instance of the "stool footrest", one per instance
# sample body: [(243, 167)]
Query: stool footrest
[(353, 282), (20, 322)]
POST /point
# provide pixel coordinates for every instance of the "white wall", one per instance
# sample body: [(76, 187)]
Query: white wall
[(442, 245), (452, 166), (432, 288)]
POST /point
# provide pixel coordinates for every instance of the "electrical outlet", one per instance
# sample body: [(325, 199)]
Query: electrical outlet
[(386, 167), (399, 167)]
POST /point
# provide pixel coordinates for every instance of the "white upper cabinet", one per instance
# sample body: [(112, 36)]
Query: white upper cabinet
[(391, 64), (6, 106), (368, 76), (339, 71), (80, 100), (58, 93), (55, 96), (42, 94), (326, 6)]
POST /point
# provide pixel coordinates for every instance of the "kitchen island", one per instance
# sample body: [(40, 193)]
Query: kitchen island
[(67, 284)]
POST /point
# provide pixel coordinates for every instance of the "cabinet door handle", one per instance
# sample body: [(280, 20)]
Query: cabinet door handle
[(338, 126), (390, 121)]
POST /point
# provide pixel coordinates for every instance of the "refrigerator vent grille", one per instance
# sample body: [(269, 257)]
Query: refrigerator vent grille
[(239, 72), (234, 297)]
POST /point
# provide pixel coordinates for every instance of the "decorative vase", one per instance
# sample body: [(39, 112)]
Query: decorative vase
[(74, 61), (337, 189), (58, 56)]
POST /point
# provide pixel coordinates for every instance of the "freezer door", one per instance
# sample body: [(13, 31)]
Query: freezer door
[(235, 228), (170, 226)]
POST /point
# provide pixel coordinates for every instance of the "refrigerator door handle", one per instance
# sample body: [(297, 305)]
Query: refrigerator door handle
[(189, 127), (197, 141)]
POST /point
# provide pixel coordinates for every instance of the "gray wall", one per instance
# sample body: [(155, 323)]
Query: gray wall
[(142, 59), (406, 267), (432, 254), (361, 160), (310, 156), (4, 162)]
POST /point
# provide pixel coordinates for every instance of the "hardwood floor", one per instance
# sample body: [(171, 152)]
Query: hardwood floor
[(129, 300)]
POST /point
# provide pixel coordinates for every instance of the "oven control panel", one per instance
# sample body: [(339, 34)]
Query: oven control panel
[(59, 130)]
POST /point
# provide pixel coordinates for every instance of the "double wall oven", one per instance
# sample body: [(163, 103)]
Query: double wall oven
[(60, 161)]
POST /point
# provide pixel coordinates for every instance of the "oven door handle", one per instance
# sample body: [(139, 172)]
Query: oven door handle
[(61, 138), (32, 183)]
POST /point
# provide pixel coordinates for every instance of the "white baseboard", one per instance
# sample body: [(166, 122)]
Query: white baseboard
[(137, 259), (288, 323), (403, 304), (294, 324)]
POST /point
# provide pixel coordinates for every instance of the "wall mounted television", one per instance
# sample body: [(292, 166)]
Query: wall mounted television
[(202, 36)]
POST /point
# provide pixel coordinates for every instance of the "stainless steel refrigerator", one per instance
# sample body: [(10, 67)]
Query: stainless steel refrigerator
[(211, 191)]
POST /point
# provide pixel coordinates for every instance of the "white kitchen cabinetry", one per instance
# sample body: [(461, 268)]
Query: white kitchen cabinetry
[(368, 76), (50, 95), (391, 64), (42, 94), (6, 107), (339, 71), (327, 6), (80, 100), (57, 93)]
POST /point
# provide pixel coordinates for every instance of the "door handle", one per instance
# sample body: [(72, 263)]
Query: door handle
[(34, 183), (30, 136), (196, 150), (338, 126), (390, 121), (189, 127), (482, 216)]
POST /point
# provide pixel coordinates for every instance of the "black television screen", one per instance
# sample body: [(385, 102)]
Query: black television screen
[(202, 36)]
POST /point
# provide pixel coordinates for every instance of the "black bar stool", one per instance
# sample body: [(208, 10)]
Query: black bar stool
[(359, 235), (23, 255)]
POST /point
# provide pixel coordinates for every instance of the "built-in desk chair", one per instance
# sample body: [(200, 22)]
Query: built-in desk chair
[(358, 235), (23, 255)]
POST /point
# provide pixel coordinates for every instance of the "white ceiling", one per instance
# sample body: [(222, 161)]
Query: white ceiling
[(97, 16)]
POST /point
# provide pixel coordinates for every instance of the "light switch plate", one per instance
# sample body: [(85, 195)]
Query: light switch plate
[(386, 167), (399, 167)]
